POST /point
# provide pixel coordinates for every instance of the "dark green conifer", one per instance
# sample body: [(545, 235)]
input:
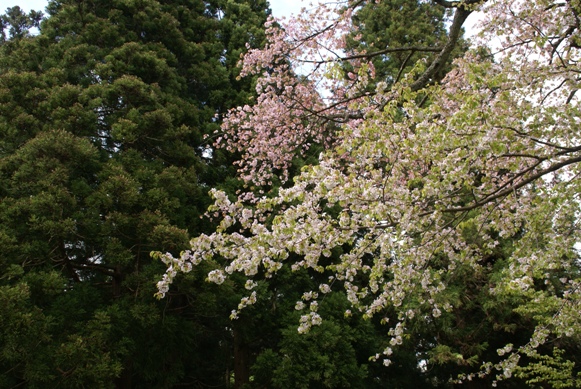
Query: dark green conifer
[(103, 115)]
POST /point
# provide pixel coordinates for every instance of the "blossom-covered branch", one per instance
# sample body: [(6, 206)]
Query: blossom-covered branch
[(308, 78), (406, 198)]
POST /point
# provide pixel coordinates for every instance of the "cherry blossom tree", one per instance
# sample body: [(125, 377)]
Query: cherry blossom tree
[(419, 179)]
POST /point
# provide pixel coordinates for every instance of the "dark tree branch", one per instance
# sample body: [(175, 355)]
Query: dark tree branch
[(455, 29), (553, 168), (412, 49)]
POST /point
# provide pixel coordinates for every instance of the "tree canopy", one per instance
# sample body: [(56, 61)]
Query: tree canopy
[(102, 119), (444, 206)]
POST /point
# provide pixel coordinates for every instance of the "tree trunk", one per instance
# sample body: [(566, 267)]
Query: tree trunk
[(241, 360)]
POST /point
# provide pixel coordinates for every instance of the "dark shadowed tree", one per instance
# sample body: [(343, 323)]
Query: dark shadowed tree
[(102, 160)]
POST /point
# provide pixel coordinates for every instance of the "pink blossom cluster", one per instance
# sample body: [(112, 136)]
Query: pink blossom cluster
[(299, 100)]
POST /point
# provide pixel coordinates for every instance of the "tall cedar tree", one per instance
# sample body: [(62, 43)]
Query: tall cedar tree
[(103, 159)]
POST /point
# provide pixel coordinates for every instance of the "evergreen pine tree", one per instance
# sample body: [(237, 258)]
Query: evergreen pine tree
[(102, 122)]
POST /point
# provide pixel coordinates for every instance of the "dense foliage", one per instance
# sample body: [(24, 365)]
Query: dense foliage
[(102, 159)]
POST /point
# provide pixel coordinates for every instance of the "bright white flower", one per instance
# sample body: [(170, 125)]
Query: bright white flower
[(310, 295), (314, 306), (216, 276), (250, 284)]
